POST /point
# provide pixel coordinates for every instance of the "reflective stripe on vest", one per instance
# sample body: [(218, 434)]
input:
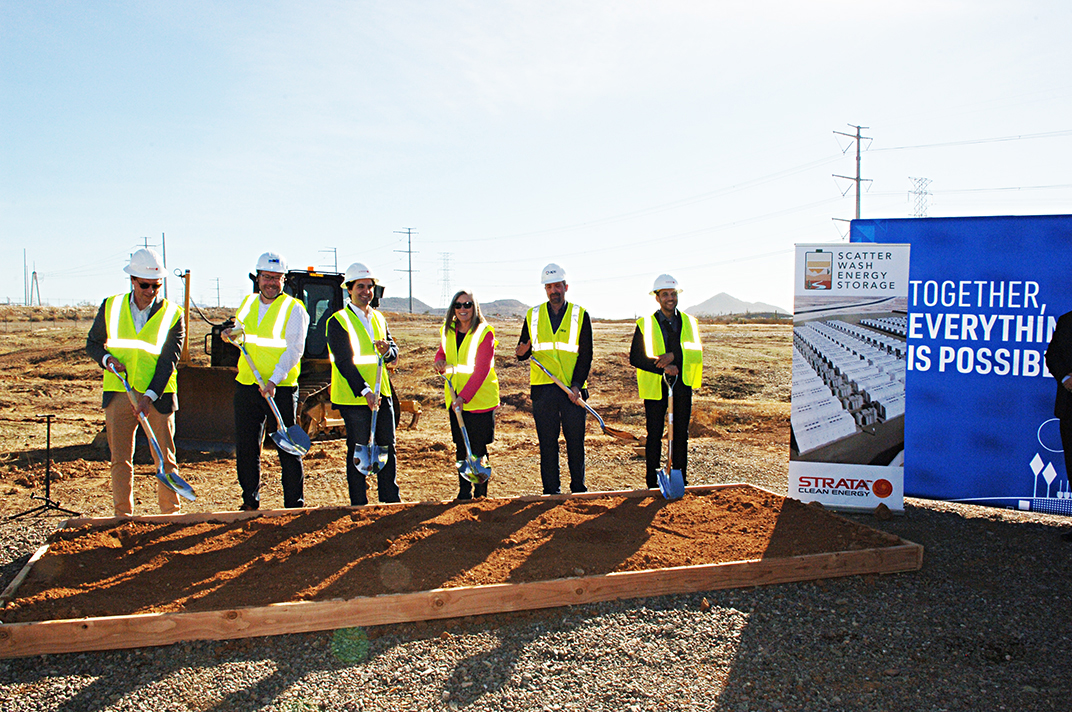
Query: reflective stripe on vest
[(266, 340), (138, 351), (557, 350), (650, 384), (461, 363), (365, 356)]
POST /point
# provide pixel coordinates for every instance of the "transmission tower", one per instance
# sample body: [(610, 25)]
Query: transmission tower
[(35, 286), (409, 233), (444, 278), (920, 193), (857, 180)]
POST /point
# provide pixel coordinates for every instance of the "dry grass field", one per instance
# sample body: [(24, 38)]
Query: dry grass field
[(739, 431)]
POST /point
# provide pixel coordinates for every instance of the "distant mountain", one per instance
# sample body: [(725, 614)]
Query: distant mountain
[(504, 307), (401, 306), (723, 303), (499, 307)]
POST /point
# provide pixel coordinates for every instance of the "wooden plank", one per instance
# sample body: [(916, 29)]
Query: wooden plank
[(9, 593), (116, 632)]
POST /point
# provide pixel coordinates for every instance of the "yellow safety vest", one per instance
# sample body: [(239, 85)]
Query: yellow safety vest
[(365, 356), (556, 350), (267, 339), (650, 384), (137, 350), (461, 362)]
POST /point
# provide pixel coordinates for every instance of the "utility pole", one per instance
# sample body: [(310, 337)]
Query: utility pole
[(919, 190), (163, 248), (858, 180), (217, 292), (444, 272), (25, 281), (409, 251)]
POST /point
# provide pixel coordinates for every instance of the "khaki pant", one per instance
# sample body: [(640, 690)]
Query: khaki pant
[(122, 423)]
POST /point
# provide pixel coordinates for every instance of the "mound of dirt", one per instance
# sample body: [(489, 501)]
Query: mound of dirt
[(323, 554)]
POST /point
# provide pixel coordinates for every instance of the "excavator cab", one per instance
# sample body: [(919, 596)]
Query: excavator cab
[(205, 419)]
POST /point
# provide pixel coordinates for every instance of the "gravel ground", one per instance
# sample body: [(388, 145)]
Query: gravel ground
[(983, 626)]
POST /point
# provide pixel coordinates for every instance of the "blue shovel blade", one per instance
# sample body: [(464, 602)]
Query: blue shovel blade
[(177, 485), (672, 485)]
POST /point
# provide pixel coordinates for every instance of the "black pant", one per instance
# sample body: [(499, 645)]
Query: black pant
[(480, 427), (655, 410), (252, 414), (358, 419), (1066, 443), (553, 412)]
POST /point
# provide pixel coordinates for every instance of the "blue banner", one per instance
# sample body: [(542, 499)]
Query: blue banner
[(983, 301)]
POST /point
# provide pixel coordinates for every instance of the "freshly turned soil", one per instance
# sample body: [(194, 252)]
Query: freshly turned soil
[(323, 554)]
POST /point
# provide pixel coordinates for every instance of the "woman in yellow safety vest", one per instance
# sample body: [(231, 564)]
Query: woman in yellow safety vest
[(466, 357)]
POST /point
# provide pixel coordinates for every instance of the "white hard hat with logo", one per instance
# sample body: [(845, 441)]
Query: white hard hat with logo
[(358, 271), (272, 262), (146, 264), (552, 273), (664, 281)]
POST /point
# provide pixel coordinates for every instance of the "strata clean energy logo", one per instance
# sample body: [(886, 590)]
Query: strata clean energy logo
[(818, 270)]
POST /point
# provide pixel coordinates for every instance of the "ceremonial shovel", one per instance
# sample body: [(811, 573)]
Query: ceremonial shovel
[(175, 483), (671, 481), (371, 458), (476, 472), (620, 434)]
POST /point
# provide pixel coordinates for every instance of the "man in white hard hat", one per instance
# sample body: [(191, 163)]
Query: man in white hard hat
[(667, 344), (273, 326), (559, 334), (358, 338), (140, 334)]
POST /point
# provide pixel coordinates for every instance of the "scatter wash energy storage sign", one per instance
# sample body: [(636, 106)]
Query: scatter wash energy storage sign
[(849, 366), (984, 296)]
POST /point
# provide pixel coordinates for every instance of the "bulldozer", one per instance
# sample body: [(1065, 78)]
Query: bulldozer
[(205, 419)]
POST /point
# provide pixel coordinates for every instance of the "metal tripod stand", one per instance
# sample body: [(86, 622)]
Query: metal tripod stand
[(49, 503)]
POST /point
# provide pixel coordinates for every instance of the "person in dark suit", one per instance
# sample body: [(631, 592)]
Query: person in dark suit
[(1059, 363)]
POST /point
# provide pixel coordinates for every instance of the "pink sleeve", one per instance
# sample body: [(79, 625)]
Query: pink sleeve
[(485, 353), (439, 355)]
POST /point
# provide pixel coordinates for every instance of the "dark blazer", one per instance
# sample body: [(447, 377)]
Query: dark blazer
[(1059, 362), (165, 363)]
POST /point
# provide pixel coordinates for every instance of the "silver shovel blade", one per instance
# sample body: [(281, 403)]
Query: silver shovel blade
[(370, 459), (293, 440)]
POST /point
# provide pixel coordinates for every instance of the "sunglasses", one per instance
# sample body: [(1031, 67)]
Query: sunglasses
[(463, 305), (148, 286)]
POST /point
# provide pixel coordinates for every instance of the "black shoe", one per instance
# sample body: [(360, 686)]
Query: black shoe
[(247, 508)]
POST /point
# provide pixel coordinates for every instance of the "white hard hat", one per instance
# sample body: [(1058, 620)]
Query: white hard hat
[(272, 262), (146, 264), (665, 281), (358, 271), (552, 273)]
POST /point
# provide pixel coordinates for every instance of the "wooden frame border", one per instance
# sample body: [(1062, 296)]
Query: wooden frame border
[(150, 629)]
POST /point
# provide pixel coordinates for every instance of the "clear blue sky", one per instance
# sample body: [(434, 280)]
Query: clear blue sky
[(619, 139)]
